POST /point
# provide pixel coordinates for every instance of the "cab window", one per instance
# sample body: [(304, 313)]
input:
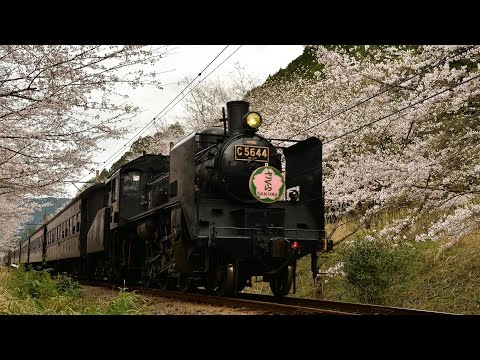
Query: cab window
[(131, 182)]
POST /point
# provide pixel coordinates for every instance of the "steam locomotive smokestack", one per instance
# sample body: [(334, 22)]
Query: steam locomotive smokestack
[(235, 112)]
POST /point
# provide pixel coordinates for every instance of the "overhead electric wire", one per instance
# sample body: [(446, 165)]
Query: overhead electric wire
[(402, 109), (145, 128), (388, 88), (104, 163), (206, 76), (155, 117)]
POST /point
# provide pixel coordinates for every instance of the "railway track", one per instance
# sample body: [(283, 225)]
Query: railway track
[(273, 305), (340, 307)]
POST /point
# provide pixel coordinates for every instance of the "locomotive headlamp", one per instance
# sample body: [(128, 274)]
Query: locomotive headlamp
[(254, 120)]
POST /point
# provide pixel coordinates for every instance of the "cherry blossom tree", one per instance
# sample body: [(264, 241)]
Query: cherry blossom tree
[(202, 106), (400, 130), (201, 103), (56, 103), (158, 143)]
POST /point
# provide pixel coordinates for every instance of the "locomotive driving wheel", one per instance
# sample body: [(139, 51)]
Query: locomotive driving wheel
[(281, 284)]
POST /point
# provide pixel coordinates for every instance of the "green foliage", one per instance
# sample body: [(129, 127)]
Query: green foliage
[(125, 303), (67, 286), (373, 267), (40, 285), (34, 284), (305, 65), (447, 279), (36, 292)]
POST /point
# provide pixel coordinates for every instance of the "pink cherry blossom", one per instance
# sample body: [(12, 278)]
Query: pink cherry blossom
[(56, 103), (417, 164)]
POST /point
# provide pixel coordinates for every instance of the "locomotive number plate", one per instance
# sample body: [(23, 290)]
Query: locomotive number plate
[(247, 153)]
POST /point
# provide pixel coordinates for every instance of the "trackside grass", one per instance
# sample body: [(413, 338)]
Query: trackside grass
[(37, 292)]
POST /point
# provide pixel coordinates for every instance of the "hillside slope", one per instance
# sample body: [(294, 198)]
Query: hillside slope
[(50, 205)]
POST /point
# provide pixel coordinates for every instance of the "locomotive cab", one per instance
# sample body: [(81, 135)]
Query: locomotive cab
[(127, 195)]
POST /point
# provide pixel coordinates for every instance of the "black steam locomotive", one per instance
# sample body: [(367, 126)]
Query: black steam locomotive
[(225, 206)]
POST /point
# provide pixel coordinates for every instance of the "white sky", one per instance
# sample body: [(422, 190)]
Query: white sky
[(257, 60)]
